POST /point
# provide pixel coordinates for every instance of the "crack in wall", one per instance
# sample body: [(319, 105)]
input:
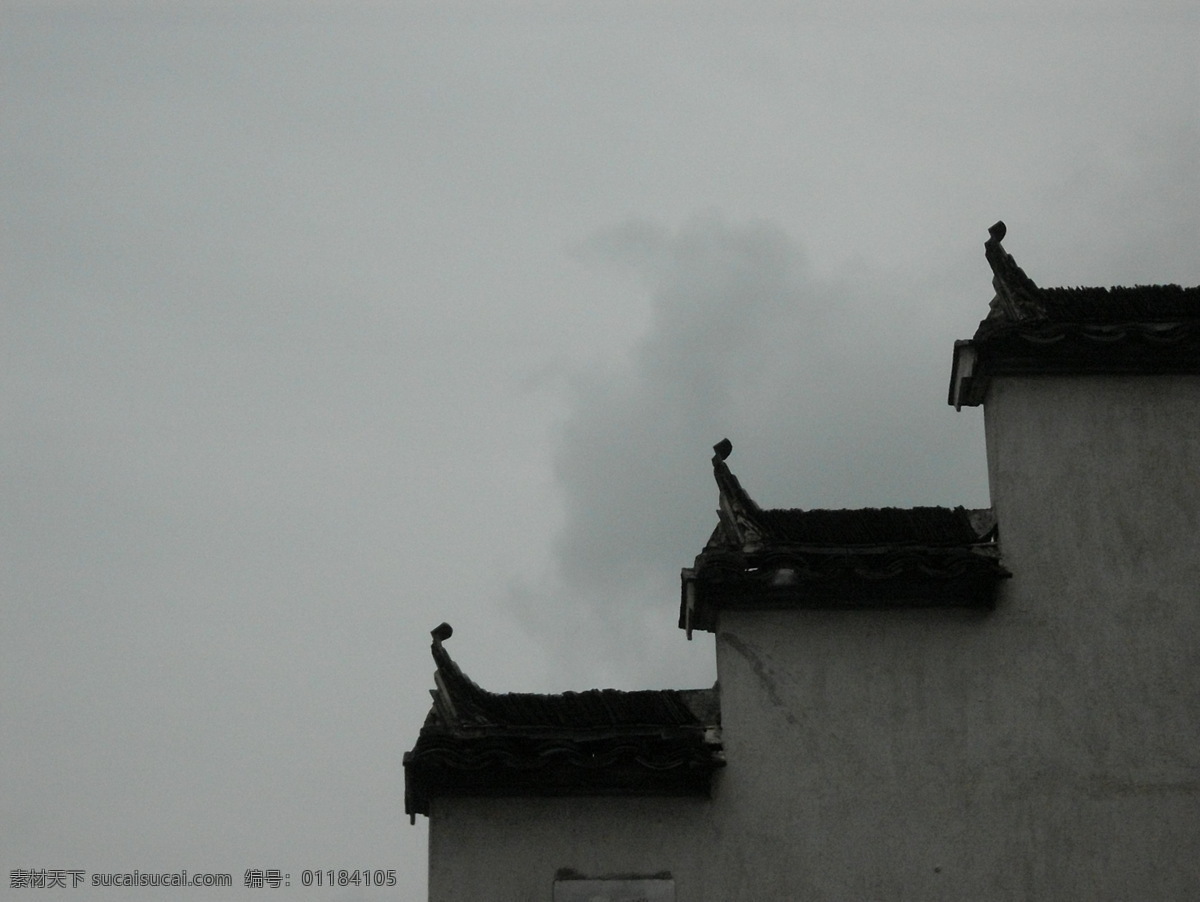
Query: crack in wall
[(762, 670)]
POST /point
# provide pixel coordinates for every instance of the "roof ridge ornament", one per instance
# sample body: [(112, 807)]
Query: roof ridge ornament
[(738, 513), (1016, 297), (458, 699)]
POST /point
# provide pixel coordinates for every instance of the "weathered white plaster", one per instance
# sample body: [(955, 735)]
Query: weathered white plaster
[(1049, 749), (511, 849)]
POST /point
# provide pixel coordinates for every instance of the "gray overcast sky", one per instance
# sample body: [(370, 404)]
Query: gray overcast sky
[(324, 323)]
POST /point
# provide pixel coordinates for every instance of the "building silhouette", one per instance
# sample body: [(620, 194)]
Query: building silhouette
[(918, 704)]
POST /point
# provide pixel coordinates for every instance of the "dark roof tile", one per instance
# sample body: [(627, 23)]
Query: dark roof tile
[(591, 709), (1141, 304), (871, 526)]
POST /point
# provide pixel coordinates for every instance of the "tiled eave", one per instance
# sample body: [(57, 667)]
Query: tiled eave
[(756, 559), (1072, 349), (671, 762), (1144, 330), (599, 742), (807, 577)]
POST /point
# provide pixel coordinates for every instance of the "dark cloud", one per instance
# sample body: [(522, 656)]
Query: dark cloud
[(832, 390)]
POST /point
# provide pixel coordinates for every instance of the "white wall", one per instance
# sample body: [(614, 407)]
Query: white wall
[(1049, 749), (509, 850)]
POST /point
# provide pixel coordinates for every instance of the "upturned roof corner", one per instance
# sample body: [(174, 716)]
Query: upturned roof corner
[(1029, 330), (598, 742), (737, 512), (866, 558)]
